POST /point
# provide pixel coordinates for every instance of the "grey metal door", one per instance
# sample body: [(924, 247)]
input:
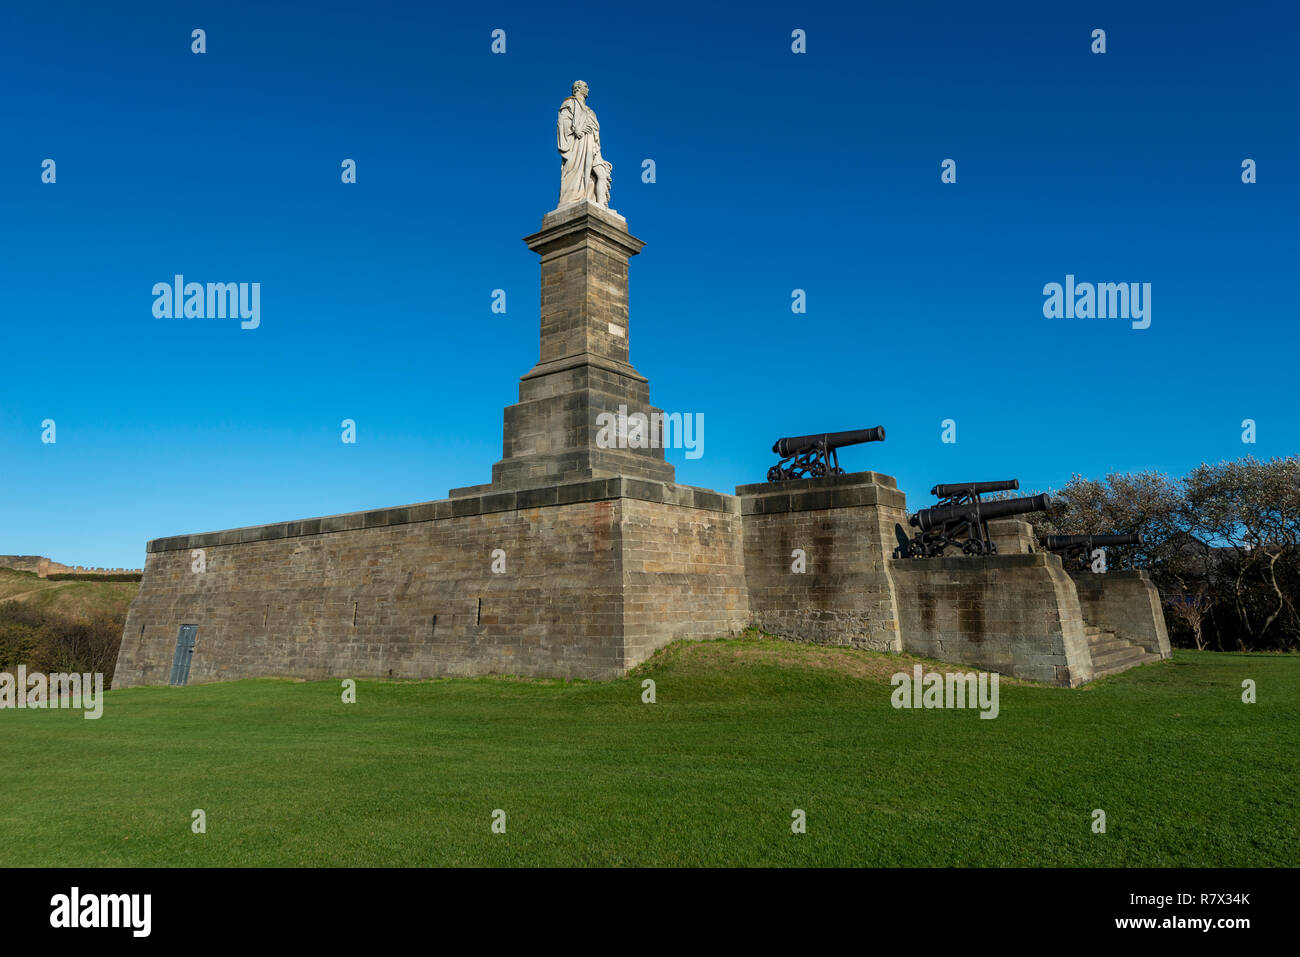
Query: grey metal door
[(185, 641)]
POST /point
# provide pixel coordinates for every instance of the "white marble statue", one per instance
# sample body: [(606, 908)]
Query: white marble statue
[(584, 173)]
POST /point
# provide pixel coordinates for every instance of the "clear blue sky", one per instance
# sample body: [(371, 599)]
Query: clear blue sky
[(776, 171)]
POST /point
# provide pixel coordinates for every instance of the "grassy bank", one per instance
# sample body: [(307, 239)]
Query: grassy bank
[(743, 732)]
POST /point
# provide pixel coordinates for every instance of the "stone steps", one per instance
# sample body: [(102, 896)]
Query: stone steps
[(1103, 645), (1112, 654)]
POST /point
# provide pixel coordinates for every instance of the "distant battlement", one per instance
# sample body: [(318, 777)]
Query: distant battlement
[(45, 567)]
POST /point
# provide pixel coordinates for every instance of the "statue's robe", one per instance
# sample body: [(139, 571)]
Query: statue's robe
[(579, 152)]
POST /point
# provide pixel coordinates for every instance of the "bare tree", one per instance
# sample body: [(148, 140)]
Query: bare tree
[(1191, 609)]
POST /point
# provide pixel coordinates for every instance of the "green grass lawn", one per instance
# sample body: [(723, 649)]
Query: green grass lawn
[(744, 731)]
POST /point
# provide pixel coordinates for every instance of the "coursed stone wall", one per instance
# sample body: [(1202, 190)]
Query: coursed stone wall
[(595, 576), (683, 572), (1126, 602), (844, 526), (1014, 614), (592, 579)]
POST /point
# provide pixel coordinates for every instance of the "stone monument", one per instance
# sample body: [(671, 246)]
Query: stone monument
[(583, 369), (582, 557)]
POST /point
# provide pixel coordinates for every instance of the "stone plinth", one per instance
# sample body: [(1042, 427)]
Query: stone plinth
[(1014, 614), (1013, 536), (844, 525), (550, 436)]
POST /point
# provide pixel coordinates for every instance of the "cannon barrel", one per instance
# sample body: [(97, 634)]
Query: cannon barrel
[(974, 488), (931, 518), (1054, 542), (833, 440)]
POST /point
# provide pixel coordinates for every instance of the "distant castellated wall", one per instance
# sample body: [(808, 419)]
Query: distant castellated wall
[(45, 567)]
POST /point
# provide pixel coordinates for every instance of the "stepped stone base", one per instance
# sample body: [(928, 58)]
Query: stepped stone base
[(553, 433)]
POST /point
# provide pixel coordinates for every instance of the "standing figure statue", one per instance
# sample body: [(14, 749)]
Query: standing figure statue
[(584, 173)]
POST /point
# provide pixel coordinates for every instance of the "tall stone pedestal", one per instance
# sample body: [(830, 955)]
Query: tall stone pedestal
[(553, 434)]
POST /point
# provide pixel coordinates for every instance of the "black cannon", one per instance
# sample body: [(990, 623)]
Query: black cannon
[(1078, 549), (961, 520), (970, 491), (812, 456)]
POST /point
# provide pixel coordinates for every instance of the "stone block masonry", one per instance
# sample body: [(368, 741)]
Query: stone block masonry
[(597, 575), (1014, 614), (683, 571), (815, 558), (583, 369), (1125, 602), (1012, 536)]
